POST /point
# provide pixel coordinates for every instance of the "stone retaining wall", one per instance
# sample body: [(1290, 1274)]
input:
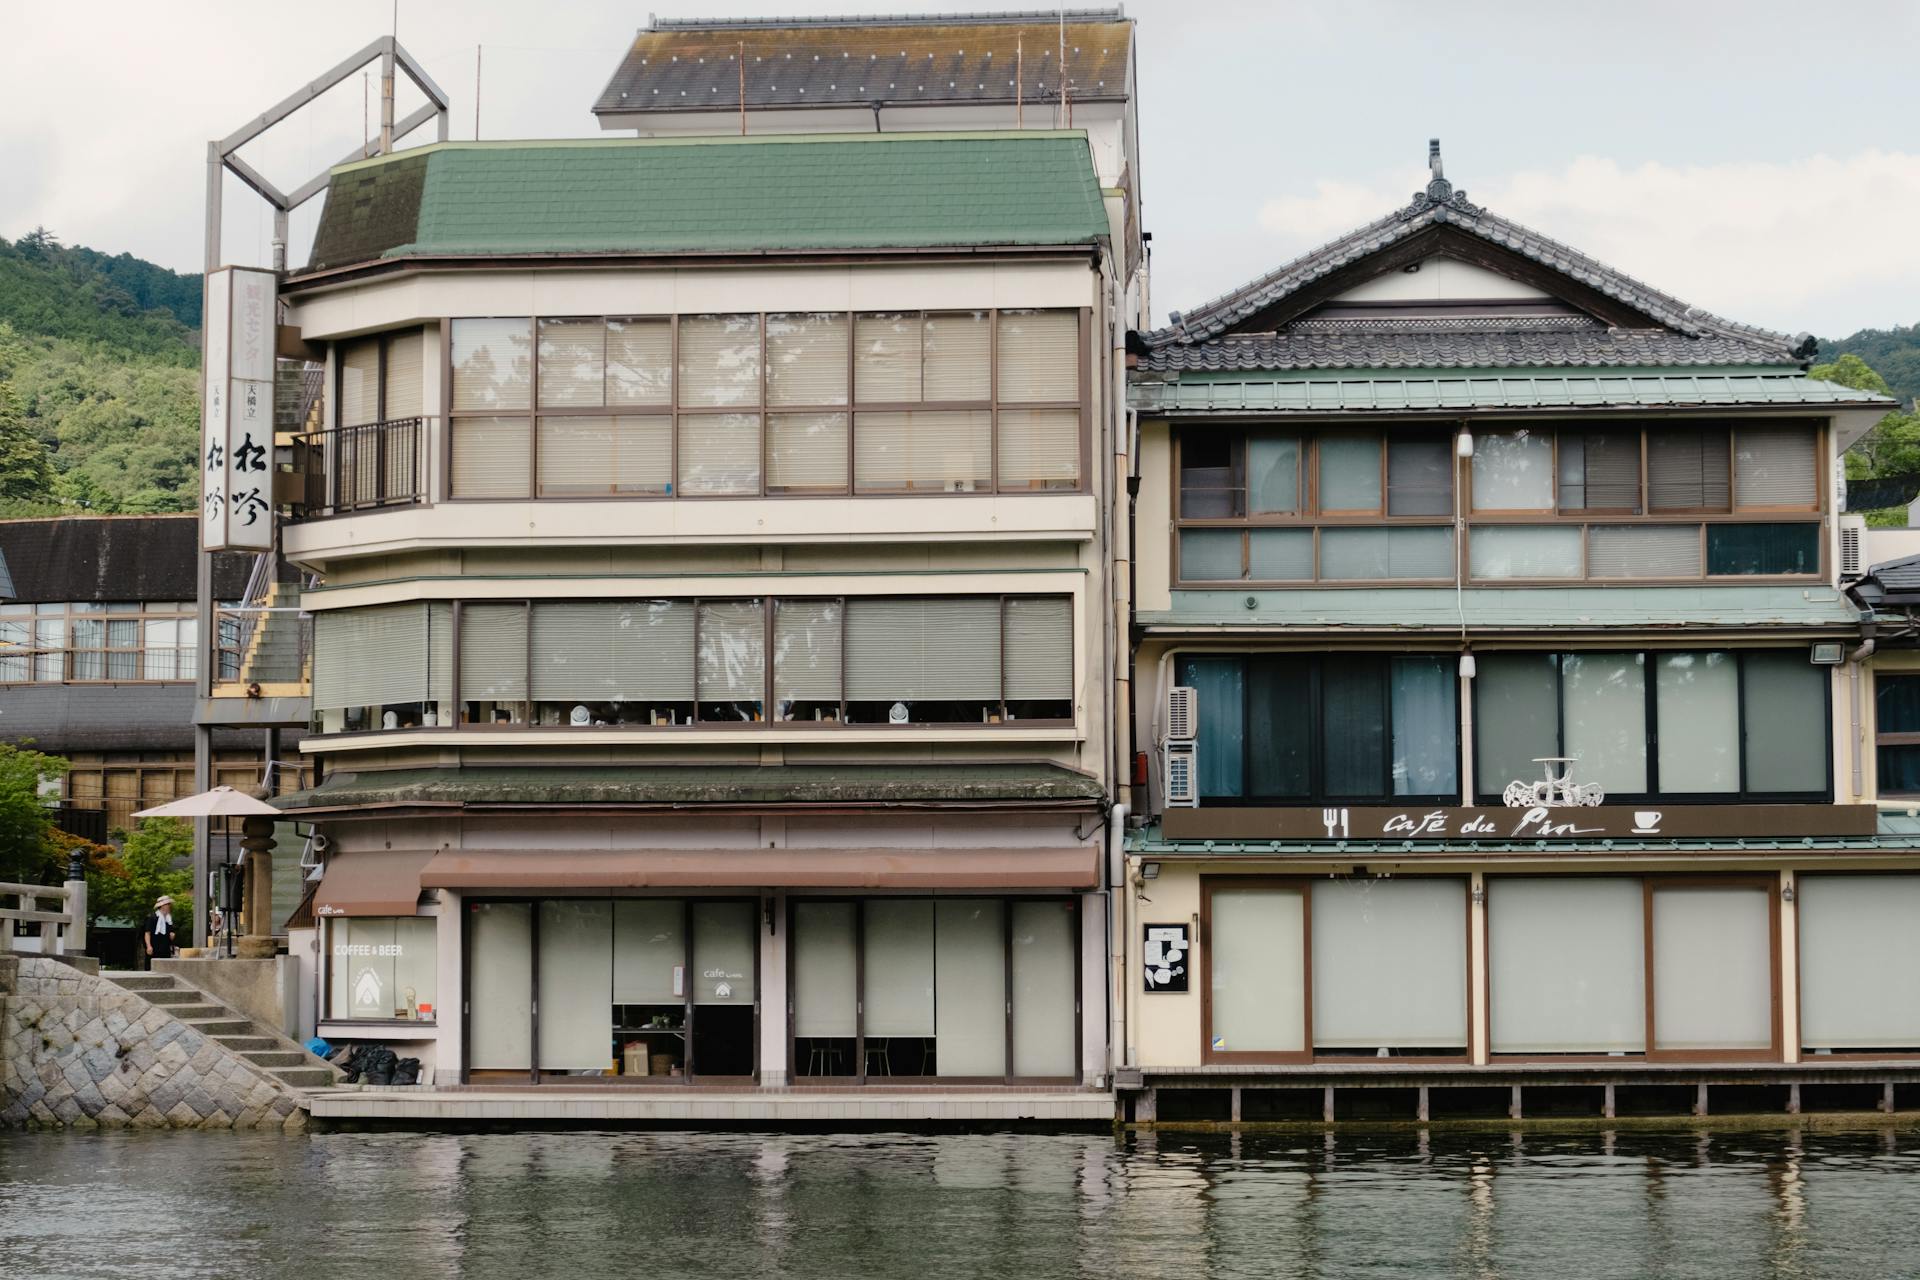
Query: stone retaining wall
[(77, 1051)]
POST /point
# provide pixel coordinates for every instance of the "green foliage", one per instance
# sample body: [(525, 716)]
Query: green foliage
[(124, 888), (1892, 448), (1851, 371), (26, 472), (27, 851), (56, 292), (1894, 352)]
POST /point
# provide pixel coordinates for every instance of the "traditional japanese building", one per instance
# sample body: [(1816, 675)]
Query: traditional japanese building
[(713, 633), (1502, 700)]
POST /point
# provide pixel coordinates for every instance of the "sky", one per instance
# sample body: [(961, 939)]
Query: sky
[(1760, 159)]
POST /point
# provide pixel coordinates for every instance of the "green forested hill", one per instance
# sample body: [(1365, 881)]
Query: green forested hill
[(1894, 354), (99, 394)]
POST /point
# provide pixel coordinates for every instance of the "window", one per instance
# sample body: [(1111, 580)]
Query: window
[(382, 968), (1681, 725), (1569, 970), (1388, 965), (1896, 705), (118, 641), (1364, 728), (631, 663), (1859, 963), (750, 404), (973, 988)]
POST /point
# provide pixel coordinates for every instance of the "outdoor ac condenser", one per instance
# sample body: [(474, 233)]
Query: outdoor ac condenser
[(1181, 755), (1853, 539)]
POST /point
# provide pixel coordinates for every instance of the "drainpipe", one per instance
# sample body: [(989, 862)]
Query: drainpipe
[(1855, 661), (1117, 1054)]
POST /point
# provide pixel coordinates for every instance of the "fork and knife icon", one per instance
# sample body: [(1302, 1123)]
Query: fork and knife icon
[(1335, 821)]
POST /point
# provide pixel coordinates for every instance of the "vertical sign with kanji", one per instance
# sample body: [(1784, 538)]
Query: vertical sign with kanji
[(236, 441)]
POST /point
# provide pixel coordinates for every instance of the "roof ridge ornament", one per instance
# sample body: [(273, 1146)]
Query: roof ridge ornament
[(1439, 198)]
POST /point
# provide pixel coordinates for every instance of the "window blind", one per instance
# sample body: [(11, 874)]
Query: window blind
[(720, 453), (572, 644), (1039, 448), (1568, 965), (581, 455), (406, 363), (491, 371), (639, 362), (806, 452), (733, 651), (1390, 963), (374, 657), (1600, 471), (886, 358), (1712, 967), (970, 973), (649, 944), (1258, 970), (1859, 961), (1420, 477), (360, 383), (826, 970), (957, 349), (1039, 648), (1643, 551), (1775, 467), (897, 997), (493, 652), (1039, 356), (807, 359), (806, 650), (932, 650), (440, 653), (575, 983), (923, 451), (490, 457), (573, 364), (1045, 937), (1688, 469), (720, 360), (653, 650)]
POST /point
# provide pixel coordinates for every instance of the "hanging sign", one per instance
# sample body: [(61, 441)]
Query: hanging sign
[(236, 415)]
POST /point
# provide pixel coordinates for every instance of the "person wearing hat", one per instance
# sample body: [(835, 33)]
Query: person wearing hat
[(161, 942)]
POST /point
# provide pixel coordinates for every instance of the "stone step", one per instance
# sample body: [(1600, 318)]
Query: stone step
[(276, 1058), (142, 982), (199, 1011), (246, 1043), (222, 1025), (171, 998), (305, 1077)]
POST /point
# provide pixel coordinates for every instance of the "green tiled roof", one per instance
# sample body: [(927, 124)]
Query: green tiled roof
[(1518, 389), (460, 786), (1510, 608), (619, 196)]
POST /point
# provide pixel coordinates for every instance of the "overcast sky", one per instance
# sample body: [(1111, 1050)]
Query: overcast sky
[(1760, 159)]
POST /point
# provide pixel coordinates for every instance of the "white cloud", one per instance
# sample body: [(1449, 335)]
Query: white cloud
[(1822, 243)]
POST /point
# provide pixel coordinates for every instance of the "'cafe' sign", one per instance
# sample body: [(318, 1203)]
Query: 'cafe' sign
[(1529, 823)]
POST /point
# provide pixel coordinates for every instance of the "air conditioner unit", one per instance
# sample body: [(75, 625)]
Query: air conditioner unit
[(1853, 550), (1183, 786), (1183, 713)]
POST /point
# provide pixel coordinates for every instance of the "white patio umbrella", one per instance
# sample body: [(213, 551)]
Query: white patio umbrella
[(221, 802)]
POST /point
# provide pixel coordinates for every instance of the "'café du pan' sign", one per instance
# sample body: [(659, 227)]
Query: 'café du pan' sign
[(236, 411), (1529, 823)]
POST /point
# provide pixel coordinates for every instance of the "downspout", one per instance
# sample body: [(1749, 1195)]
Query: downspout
[(1118, 1050), (1855, 660)]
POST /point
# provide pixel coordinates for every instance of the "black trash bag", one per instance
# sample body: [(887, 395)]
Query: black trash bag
[(406, 1071), (378, 1068)]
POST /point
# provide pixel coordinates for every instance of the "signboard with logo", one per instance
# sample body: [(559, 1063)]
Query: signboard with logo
[(1533, 822), (236, 415), (1164, 959)]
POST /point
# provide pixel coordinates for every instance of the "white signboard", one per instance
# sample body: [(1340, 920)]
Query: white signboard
[(236, 435)]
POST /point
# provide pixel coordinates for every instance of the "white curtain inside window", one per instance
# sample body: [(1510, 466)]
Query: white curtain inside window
[(1389, 963), (899, 967), (1567, 963), (825, 970), (1697, 699), (1712, 967), (1859, 961), (1258, 970), (649, 951), (970, 985), (576, 984), (500, 986), (1044, 992)]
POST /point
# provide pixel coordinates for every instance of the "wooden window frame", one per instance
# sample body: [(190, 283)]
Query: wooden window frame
[(72, 657)]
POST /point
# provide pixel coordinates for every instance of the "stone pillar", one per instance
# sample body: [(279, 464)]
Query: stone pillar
[(256, 914)]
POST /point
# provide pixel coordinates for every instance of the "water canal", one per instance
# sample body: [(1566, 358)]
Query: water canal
[(384, 1206)]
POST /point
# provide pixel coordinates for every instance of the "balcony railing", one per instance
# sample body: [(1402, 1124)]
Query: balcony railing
[(364, 468)]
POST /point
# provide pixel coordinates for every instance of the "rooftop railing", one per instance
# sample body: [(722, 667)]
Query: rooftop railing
[(362, 468)]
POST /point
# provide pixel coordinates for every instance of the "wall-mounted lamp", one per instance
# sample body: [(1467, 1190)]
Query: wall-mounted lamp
[(1786, 894), (1468, 668), (1480, 896), (1149, 871), (1463, 444)]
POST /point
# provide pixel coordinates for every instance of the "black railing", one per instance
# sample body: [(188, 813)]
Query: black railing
[(349, 469)]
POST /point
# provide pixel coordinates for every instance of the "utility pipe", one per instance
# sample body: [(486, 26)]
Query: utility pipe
[(1855, 661), (1118, 1050)]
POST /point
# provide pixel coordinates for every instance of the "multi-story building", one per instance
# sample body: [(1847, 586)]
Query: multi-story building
[(712, 645), (1501, 698)]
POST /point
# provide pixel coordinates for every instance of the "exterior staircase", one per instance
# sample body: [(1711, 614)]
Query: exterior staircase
[(262, 1047)]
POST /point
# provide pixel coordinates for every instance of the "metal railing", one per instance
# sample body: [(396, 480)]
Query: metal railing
[(365, 468)]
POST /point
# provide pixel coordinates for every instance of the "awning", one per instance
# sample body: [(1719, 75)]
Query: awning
[(523, 869), (371, 884)]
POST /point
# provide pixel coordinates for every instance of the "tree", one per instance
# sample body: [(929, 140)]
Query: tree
[(27, 851), (26, 469), (146, 869), (1892, 448)]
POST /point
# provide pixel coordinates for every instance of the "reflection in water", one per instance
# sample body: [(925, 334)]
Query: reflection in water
[(1630, 1203)]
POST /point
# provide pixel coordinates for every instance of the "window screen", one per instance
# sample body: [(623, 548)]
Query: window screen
[(1775, 467)]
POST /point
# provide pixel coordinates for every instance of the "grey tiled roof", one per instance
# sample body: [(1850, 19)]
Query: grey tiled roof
[(1678, 333)]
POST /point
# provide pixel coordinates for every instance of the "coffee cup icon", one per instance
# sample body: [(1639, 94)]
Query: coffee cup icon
[(1645, 821)]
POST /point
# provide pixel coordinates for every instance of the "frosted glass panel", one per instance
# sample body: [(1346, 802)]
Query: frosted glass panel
[(1859, 962), (1273, 474), (899, 956), (1783, 688), (1350, 473), (1523, 551), (1276, 555), (576, 984), (1605, 700), (649, 951), (1567, 965), (1389, 964), (1697, 697), (1425, 725), (1044, 941), (970, 968), (1712, 968), (724, 945), (1211, 555), (1513, 471), (500, 994), (825, 972), (1258, 971), (1356, 554), (1643, 551), (1516, 718)]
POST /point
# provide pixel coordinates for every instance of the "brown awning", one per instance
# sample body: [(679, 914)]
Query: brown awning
[(524, 869), (371, 884)]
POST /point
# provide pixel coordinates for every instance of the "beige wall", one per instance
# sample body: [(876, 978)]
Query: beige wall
[(1153, 520)]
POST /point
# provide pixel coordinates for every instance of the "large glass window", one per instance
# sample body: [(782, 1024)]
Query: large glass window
[(1255, 954), (1712, 714), (89, 641), (1859, 963), (1305, 729), (750, 404), (384, 667), (382, 968), (1390, 966), (1896, 701)]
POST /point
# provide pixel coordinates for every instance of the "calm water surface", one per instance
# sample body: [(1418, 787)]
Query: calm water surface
[(586, 1205)]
